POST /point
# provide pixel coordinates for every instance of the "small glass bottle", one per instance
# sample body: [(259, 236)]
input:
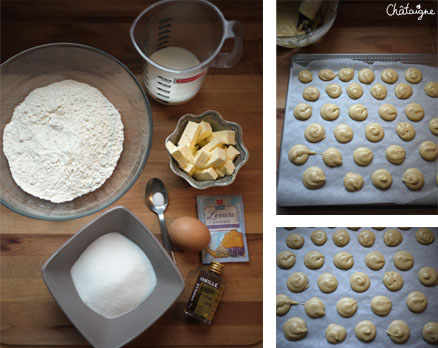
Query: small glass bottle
[(206, 294)]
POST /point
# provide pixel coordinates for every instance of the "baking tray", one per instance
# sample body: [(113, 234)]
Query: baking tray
[(424, 255), (291, 192)]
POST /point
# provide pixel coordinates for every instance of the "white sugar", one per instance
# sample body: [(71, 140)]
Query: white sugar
[(158, 199), (113, 275)]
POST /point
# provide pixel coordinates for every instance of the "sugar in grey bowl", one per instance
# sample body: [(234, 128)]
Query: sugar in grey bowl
[(217, 123), (102, 332)]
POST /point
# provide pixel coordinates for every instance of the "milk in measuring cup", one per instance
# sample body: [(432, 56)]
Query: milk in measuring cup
[(174, 88)]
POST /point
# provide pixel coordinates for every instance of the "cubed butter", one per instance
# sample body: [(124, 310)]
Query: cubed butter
[(217, 159), (229, 167), (201, 158), (205, 131), (177, 154), (189, 168), (221, 171), (190, 134), (232, 153), (205, 174), (227, 136), (216, 142)]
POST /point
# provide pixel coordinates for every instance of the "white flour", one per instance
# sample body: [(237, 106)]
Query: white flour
[(63, 141), (113, 275)]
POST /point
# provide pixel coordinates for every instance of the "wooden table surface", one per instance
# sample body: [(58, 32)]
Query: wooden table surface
[(29, 315), (362, 27)]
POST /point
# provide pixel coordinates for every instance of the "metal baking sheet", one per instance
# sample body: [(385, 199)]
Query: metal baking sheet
[(291, 191), (424, 255)]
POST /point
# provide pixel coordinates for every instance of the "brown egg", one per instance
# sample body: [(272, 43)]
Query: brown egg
[(188, 233)]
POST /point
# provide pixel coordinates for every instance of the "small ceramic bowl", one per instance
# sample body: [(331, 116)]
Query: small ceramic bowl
[(102, 332), (217, 123)]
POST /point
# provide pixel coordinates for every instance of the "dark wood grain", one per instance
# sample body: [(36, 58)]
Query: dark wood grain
[(29, 315), (361, 27)]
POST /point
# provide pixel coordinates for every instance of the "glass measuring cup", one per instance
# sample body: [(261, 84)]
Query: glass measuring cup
[(190, 35)]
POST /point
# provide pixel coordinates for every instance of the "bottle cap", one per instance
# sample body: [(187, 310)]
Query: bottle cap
[(216, 267)]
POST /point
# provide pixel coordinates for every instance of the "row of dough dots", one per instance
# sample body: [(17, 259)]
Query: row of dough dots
[(295, 328), (366, 76)]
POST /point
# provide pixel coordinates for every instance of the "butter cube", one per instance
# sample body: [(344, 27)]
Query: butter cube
[(217, 159), (216, 142), (187, 153), (176, 153), (189, 168), (229, 167), (221, 171), (205, 174), (190, 134), (227, 136), (205, 132), (232, 152), (201, 158)]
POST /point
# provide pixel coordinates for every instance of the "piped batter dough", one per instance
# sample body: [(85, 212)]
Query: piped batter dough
[(382, 179), (353, 182), (393, 281), (354, 90), (341, 238), (379, 91), (374, 132), (413, 75), (363, 156), (424, 236), (333, 90), (387, 112), (381, 305), (285, 259), (326, 74), (428, 150), (366, 238), (314, 260), (315, 308), (433, 125), (403, 260), (428, 276), (313, 178), (346, 307), (359, 282), (398, 331), (392, 237), (327, 283), (330, 111), (302, 111), (414, 112), (305, 76), (314, 133), (405, 131), (335, 333), (403, 91), (297, 282), (332, 157), (365, 331), (375, 260), (366, 76), (395, 154), (283, 303), (430, 332), (416, 301), (413, 179), (343, 260), (299, 154), (311, 93), (358, 112), (343, 133), (346, 74), (389, 76), (431, 89), (295, 241), (295, 329), (318, 237)]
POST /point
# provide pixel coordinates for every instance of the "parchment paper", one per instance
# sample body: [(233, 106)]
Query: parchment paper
[(291, 191), (424, 255)]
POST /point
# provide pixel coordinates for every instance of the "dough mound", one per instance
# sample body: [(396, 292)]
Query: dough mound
[(353, 182), (366, 75), (433, 125), (346, 74), (285, 259), (398, 331), (403, 260), (341, 238), (314, 133), (393, 281), (346, 307), (295, 329), (381, 305), (416, 302), (302, 111), (428, 276), (335, 333), (358, 112), (311, 93), (343, 260), (424, 236), (413, 75), (382, 179), (295, 241), (332, 157), (405, 131), (359, 282), (354, 90), (403, 91), (299, 154), (366, 238), (333, 90), (315, 308), (387, 112), (318, 237), (430, 332), (379, 91), (431, 89), (314, 260), (392, 237), (326, 74), (374, 132), (327, 283), (330, 111), (375, 260), (343, 133), (313, 178), (284, 303), (362, 156), (305, 76), (389, 76), (297, 282), (395, 154), (413, 179), (428, 150), (365, 331), (414, 112)]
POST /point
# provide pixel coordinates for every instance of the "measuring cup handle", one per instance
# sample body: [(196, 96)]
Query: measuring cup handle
[(233, 30)]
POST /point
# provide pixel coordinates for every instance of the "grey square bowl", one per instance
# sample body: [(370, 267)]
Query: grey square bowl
[(217, 123), (98, 330)]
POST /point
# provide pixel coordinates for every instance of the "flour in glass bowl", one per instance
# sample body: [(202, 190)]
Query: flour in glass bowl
[(63, 141)]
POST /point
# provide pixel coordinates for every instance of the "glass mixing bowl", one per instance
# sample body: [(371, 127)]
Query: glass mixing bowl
[(42, 65)]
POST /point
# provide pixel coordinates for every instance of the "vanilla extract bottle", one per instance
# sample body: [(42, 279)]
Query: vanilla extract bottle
[(206, 294)]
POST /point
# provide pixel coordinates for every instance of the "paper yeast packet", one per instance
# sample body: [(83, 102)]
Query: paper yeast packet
[(223, 215)]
